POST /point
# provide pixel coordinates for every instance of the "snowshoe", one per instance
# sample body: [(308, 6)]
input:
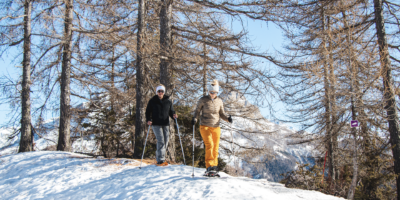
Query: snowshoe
[(211, 172)]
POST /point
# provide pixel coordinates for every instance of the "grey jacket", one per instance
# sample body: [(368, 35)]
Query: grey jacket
[(213, 110)]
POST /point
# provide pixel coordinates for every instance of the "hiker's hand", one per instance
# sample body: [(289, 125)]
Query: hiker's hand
[(193, 121), (149, 123)]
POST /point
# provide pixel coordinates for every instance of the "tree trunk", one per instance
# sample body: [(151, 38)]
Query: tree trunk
[(389, 95), (140, 122), (350, 194), (327, 103), (166, 64), (65, 109), (332, 94), (113, 93), (25, 143), (204, 71), (165, 44), (354, 89)]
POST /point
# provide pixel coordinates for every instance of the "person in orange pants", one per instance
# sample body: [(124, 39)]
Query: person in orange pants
[(212, 111), (211, 137)]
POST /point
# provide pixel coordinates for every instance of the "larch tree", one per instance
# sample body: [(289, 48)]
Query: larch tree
[(351, 77), (10, 37), (312, 67), (389, 89), (140, 79), (26, 129), (65, 99), (166, 65), (105, 53)]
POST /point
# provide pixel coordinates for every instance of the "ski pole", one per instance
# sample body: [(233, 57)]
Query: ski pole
[(233, 151), (193, 152), (180, 141), (148, 130)]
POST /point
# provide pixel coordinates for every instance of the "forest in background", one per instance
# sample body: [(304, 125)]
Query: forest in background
[(340, 62)]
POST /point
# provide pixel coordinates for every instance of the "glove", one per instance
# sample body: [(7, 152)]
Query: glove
[(230, 119), (193, 121)]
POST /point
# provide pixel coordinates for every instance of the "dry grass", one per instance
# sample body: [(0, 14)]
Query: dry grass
[(118, 162), (80, 157), (127, 162)]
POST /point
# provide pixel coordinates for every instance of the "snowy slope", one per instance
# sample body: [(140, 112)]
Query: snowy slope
[(62, 175)]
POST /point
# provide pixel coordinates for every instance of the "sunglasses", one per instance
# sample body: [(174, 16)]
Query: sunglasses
[(213, 92), (160, 91)]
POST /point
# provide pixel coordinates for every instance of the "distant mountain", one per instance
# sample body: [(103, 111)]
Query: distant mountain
[(281, 158)]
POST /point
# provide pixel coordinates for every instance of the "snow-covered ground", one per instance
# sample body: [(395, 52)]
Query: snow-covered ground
[(63, 175)]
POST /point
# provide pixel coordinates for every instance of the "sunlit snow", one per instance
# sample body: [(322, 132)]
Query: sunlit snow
[(62, 175)]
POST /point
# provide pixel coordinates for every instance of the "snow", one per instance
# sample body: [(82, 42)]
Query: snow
[(8, 146), (63, 175)]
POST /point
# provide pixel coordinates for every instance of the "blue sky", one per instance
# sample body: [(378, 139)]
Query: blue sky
[(268, 37), (8, 68)]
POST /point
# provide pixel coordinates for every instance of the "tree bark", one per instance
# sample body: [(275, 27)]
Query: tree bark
[(65, 109), (25, 143), (332, 93), (205, 70), (389, 95), (354, 89), (165, 44), (166, 64), (113, 93), (350, 194), (327, 103), (140, 121)]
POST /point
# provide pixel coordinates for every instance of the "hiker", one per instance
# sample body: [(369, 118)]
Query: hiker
[(157, 111), (213, 111)]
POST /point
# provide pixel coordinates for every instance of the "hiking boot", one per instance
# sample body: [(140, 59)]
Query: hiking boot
[(162, 163), (215, 168), (210, 169)]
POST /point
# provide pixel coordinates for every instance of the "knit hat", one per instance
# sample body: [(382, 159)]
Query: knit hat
[(214, 86), (160, 87)]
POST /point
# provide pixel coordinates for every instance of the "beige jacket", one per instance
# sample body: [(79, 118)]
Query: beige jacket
[(212, 111)]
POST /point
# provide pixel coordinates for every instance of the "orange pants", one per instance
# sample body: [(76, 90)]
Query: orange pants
[(210, 137)]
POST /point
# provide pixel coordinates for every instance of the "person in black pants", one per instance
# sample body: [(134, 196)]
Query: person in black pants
[(157, 111)]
